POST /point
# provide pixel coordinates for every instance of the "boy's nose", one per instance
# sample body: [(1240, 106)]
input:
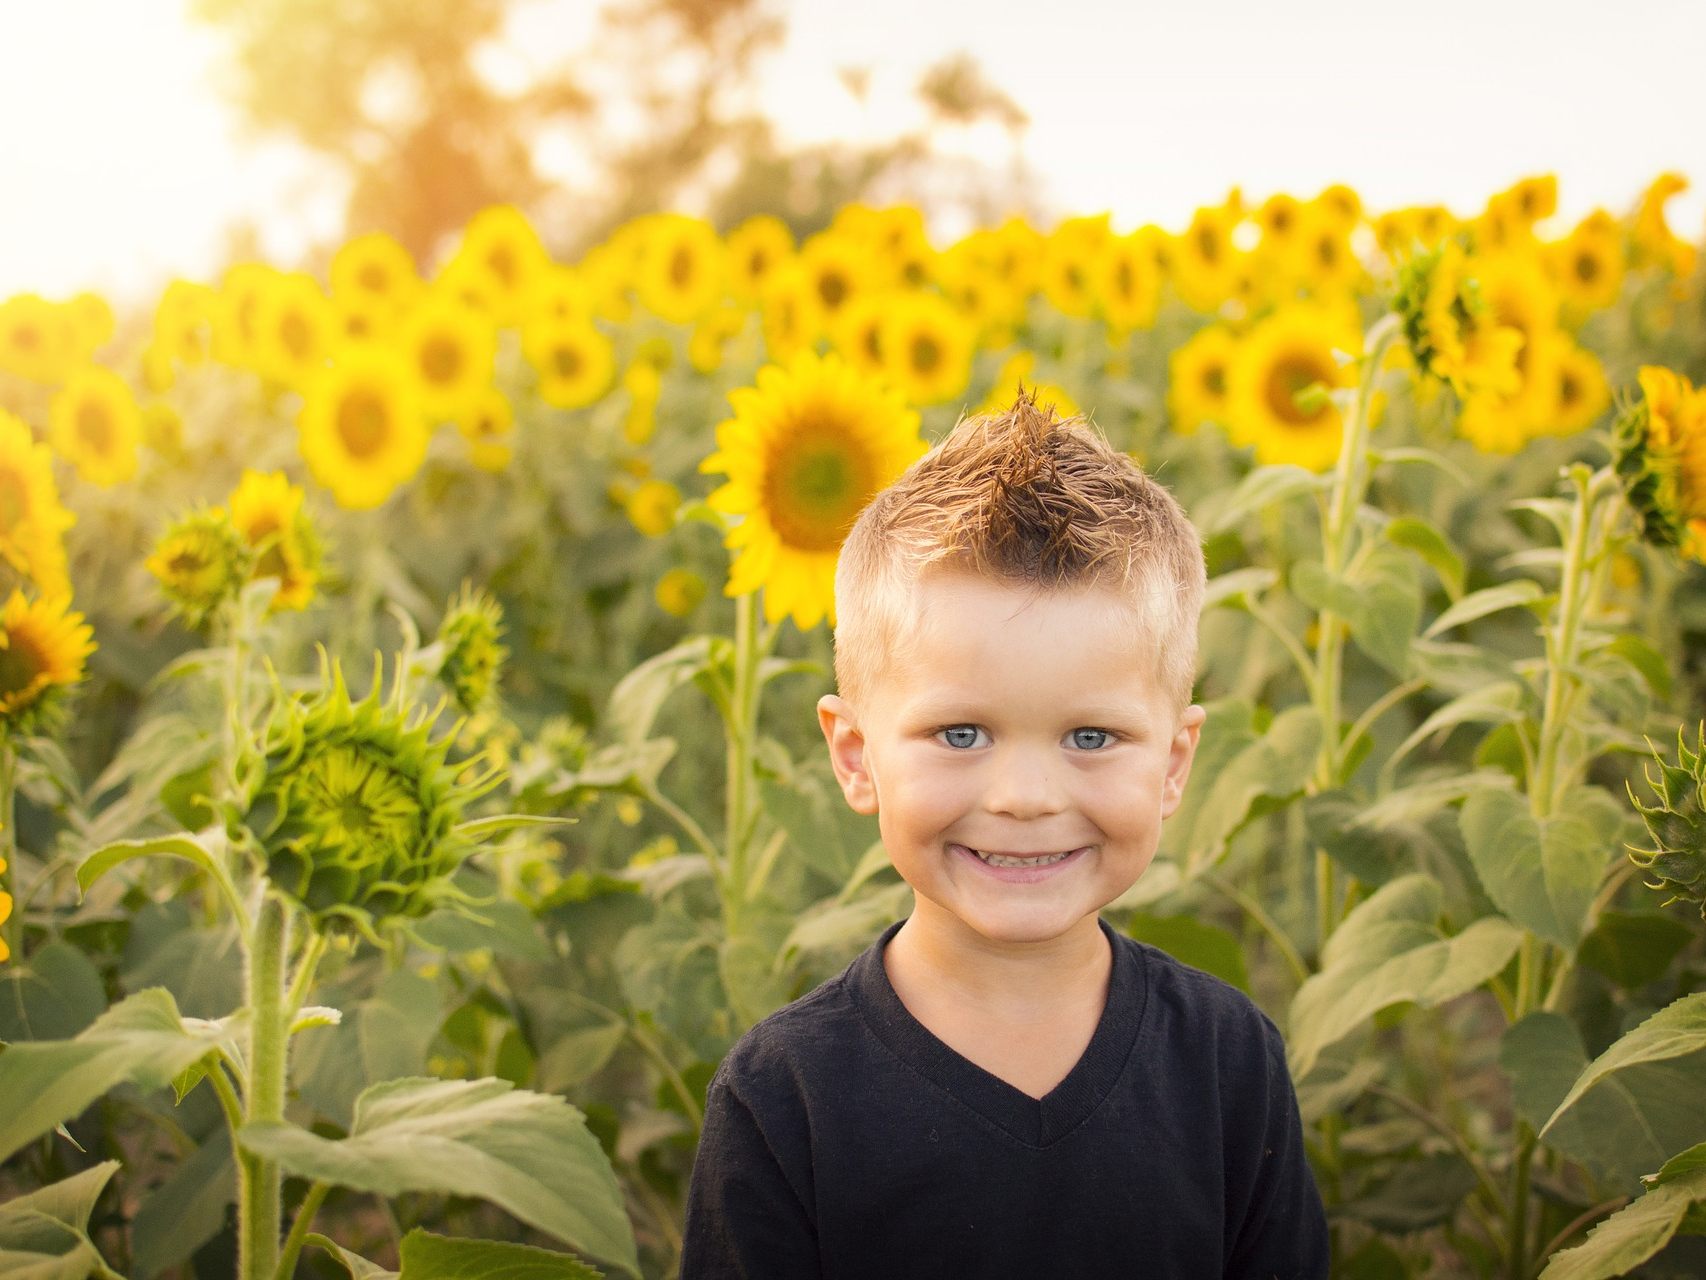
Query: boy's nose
[(1024, 787)]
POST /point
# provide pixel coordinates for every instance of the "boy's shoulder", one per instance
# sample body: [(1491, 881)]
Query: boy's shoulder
[(777, 1048)]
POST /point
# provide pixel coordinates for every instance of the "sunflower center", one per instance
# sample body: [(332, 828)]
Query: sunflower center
[(95, 426), (22, 665), (873, 341), (1290, 375), (1208, 244), (441, 359), (757, 262), (926, 354), (503, 264), (1587, 268), (372, 277), (14, 500), (26, 337), (681, 267), (815, 487), (1124, 285), (1214, 380), (1569, 390), (363, 423), (296, 335), (832, 288), (566, 361)]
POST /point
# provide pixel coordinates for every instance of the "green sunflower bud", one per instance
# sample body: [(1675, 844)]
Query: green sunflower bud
[(201, 562), (1677, 823), (353, 808), (473, 657)]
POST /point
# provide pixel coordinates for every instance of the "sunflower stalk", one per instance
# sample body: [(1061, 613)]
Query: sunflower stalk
[(753, 640), (12, 925), (259, 1184)]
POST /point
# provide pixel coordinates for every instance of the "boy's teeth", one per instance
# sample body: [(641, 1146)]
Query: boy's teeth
[(998, 860)]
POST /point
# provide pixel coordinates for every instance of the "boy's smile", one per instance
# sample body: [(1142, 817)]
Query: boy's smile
[(1020, 757)]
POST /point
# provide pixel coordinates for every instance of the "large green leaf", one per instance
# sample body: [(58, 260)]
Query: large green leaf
[(639, 695), (430, 1257), (1261, 488), (1633, 948), (1542, 873), (140, 1039), (205, 852), (1240, 774), (51, 996), (1639, 1230), (44, 1233), (1678, 1031), (1431, 544), (359, 1268), (1194, 942), (186, 1210), (1489, 600), (1381, 602), (529, 1153), (1386, 951)]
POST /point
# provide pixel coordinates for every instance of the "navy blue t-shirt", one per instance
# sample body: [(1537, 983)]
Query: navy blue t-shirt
[(843, 1139)]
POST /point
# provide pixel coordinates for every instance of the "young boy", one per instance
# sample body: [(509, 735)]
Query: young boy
[(1002, 1085)]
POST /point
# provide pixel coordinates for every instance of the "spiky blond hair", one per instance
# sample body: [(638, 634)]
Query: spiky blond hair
[(1031, 499)]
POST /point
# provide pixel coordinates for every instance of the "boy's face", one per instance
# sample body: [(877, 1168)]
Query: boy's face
[(1025, 724)]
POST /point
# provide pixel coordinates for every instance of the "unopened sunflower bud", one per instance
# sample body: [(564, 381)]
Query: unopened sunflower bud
[(1659, 450), (1677, 823), (201, 562), (473, 657), (1451, 330)]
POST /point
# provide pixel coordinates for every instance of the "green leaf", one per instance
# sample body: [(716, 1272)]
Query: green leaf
[(1381, 602), (1678, 1030), (639, 695), (1542, 873), (504, 927), (575, 1056), (823, 832), (358, 1267), (1194, 942), (477, 830), (1386, 951), (44, 1233), (1631, 1235), (1236, 587), (1425, 1191), (185, 846), (1542, 1054), (1262, 487), (1645, 660), (51, 996), (1241, 775), (1421, 800), (1427, 457), (1433, 547), (1633, 948), (186, 1210), (529, 1153), (430, 1257), (1372, 855), (1478, 604), (140, 1039), (836, 925), (1500, 703)]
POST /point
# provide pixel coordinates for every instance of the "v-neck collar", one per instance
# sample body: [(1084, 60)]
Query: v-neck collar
[(1037, 1122)]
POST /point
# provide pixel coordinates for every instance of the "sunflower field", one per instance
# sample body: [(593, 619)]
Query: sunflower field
[(410, 782)]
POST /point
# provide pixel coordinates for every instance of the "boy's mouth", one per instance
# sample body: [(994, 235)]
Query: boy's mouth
[(1019, 859)]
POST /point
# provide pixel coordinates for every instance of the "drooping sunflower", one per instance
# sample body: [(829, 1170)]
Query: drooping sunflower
[(489, 430), (1197, 378), (925, 348), (1660, 456), (451, 349), (269, 513), (1654, 241), (755, 249), (471, 632), (298, 329), (43, 646), (97, 426), (681, 270), (808, 447), (36, 339), (1453, 334), (1286, 354), (32, 518), (361, 429), (574, 360)]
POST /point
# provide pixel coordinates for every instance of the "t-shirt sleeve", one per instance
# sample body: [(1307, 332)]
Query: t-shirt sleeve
[(1284, 1232), (744, 1219)]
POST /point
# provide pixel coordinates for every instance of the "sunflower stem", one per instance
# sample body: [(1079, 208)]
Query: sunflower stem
[(259, 1184)]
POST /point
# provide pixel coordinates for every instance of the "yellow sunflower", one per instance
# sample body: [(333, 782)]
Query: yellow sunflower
[(1280, 218), (926, 349), (1654, 241), (184, 322), (488, 428), (1342, 203), (96, 426), (268, 511), (1070, 263), (990, 305), (1205, 261), (375, 269), (33, 521), (808, 447), (1197, 378), (1583, 392), (1401, 232), (560, 293), (679, 592), (37, 340), (713, 332), (836, 268), (857, 332), (681, 269), (361, 429), (1453, 334), (201, 563), (790, 313), (91, 322), (43, 647), (502, 241), (237, 335), (755, 249), (1587, 266), (643, 384), (1321, 255), (575, 361), (1285, 354), (1127, 283), (297, 329), (1015, 378), (651, 507), (452, 350)]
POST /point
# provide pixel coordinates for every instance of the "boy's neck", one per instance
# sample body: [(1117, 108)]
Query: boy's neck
[(935, 955)]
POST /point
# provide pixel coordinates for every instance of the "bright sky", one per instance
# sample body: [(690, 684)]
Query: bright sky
[(121, 164)]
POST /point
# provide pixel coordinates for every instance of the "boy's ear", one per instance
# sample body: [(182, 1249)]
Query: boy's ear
[(1183, 751), (847, 753)]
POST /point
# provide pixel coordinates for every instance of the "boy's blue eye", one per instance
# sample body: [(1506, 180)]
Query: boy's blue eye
[(971, 729), (960, 728), (1103, 732)]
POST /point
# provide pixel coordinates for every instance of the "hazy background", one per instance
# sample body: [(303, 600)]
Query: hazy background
[(143, 138)]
